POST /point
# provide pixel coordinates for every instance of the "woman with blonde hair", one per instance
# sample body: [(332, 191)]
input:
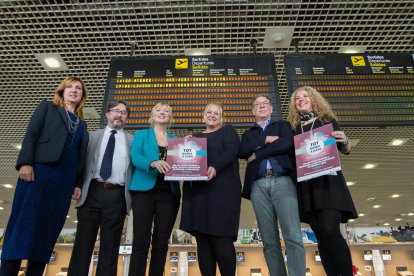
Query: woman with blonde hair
[(324, 201), (154, 200), (49, 165), (211, 209)]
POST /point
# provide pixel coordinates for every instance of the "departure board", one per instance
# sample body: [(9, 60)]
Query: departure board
[(187, 84), (363, 89)]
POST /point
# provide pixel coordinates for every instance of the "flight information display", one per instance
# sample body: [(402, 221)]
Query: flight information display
[(187, 84), (363, 89)]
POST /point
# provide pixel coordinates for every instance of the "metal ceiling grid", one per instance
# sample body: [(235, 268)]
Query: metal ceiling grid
[(87, 35)]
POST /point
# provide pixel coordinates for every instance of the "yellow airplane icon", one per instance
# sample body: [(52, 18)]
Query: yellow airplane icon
[(358, 60), (181, 63)]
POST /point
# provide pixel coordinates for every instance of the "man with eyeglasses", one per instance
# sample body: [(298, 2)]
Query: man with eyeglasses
[(269, 151), (105, 199)]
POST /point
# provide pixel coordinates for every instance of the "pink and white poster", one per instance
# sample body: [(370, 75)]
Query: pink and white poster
[(316, 153), (188, 159)]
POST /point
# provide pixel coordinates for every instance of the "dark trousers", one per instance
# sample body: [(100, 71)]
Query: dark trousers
[(11, 268), (213, 250), (159, 207), (104, 209), (333, 249)]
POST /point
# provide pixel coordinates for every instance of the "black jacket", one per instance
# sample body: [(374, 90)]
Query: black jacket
[(45, 138), (282, 150)]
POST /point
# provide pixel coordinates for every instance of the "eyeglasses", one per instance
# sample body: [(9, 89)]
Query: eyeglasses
[(120, 112), (261, 103)]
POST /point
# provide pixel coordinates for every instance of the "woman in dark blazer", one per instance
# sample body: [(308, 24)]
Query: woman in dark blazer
[(49, 165), (154, 200), (211, 210)]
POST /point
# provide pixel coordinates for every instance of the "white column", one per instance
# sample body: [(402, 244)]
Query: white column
[(127, 258), (378, 263), (182, 263), (91, 265)]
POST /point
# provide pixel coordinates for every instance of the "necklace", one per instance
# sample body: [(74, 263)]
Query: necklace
[(163, 153), (73, 125), (301, 125)]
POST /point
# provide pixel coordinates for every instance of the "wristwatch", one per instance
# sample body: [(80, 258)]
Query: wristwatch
[(346, 141)]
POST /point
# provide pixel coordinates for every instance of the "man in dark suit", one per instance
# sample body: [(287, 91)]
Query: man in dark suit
[(105, 199), (268, 148)]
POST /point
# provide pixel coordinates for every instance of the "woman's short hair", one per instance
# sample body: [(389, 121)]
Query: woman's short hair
[(218, 104), (151, 118)]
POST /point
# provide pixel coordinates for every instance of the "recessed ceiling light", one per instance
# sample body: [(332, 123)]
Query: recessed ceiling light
[(395, 195), (67, 216), (398, 219), (350, 183), (1, 208), (52, 62), (397, 142), (90, 113), (197, 52), (369, 166), (376, 206), (361, 215), (351, 220), (278, 37), (410, 214), (75, 221), (352, 49), (16, 146), (386, 224), (371, 199), (8, 186)]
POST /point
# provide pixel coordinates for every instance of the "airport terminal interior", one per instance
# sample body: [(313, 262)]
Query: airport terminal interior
[(87, 34)]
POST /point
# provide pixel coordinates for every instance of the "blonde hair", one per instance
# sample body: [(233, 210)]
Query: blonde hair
[(319, 105), (58, 98), (151, 118), (220, 108)]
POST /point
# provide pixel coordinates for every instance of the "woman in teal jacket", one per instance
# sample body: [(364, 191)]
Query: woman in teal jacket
[(154, 200)]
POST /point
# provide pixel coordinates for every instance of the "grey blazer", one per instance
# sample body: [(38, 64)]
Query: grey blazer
[(95, 140)]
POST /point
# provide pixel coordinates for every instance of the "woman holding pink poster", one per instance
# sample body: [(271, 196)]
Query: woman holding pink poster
[(155, 201), (324, 201), (211, 209)]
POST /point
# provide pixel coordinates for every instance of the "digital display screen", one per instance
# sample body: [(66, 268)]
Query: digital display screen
[(363, 89), (53, 256), (95, 256), (386, 255), (240, 257), (187, 84), (192, 257), (317, 256), (368, 255), (125, 249), (174, 257)]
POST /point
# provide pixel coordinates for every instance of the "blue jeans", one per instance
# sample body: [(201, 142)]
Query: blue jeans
[(274, 198)]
